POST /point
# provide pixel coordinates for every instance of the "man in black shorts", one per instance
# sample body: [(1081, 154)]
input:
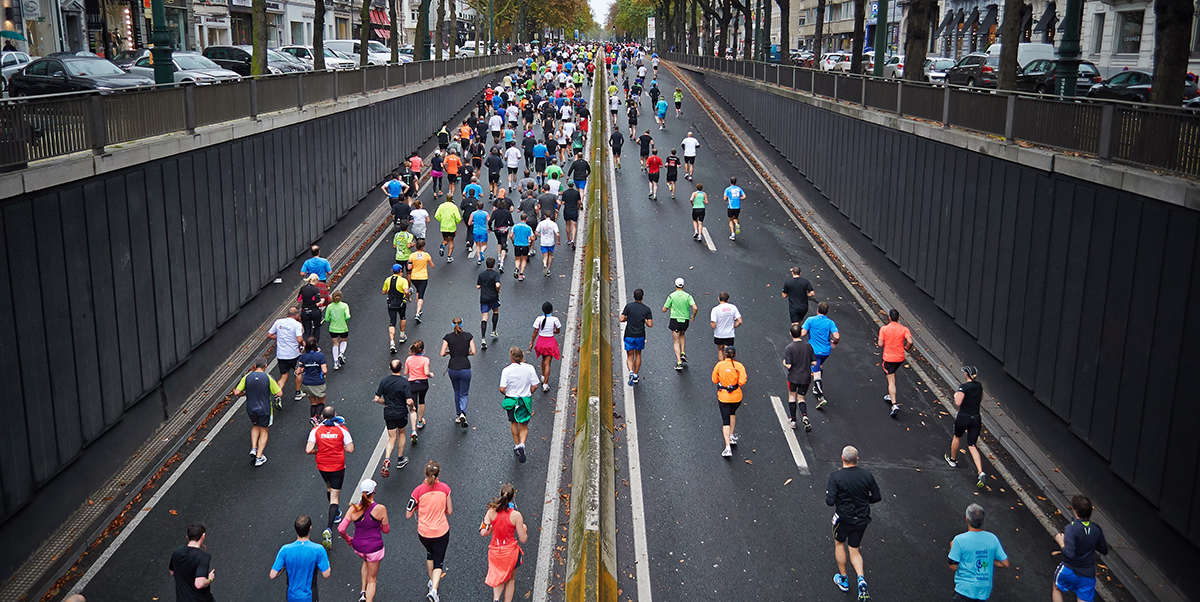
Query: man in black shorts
[(329, 441), (646, 142), (672, 164), (616, 141), (396, 397), (495, 165), (631, 114), (571, 199), (797, 291), (499, 223), (798, 360), (851, 491), (968, 422)]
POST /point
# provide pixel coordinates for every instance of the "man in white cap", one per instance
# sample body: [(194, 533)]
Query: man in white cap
[(682, 308)]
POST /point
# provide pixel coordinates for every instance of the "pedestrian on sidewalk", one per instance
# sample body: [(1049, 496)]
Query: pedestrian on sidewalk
[(259, 389), (548, 237), (895, 339), (724, 318), (682, 308), (823, 335), (416, 368), (190, 566), (517, 382), (969, 422), (337, 315), (460, 346), (653, 169), (394, 393), (799, 360), (419, 264), (448, 217), (797, 290), (311, 307), (689, 144), (329, 442), (851, 491), (637, 318), (288, 334), (734, 195), (430, 501), (370, 521), (396, 288), (316, 265), (730, 376), (504, 523), (1080, 542), (544, 342), (301, 560), (973, 556)]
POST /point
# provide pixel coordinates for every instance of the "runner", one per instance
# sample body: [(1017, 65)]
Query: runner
[(571, 201), (548, 236), (437, 169), (465, 209), (614, 105), (420, 221), (452, 164), (517, 382), (689, 144), (316, 265), (683, 310), (507, 529), (370, 524), (579, 171), (512, 160), (396, 397), (798, 359), (259, 389), (394, 188), (645, 144), (522, 238), (1079, 543), (501, 222), (404, 241), (724, 318), (973, 556), (329, 441), (478, 220), (540, 157), (430, 501), (543, 342), (894, 338), (730, 376), (797, 290), (653, 167), (734, 195), (699, 208), (615, 141), (397, 290), (190, 566), (311, 372), (488, 283), (851, 491), (631, 115), (448, 217), (460, 346), (416, 367), (311, 307), (661, 116), (301, 560), (637, 318), (968, 398), (494, 164), (823, 335), (679, 103), (288, 335), (419, 264)]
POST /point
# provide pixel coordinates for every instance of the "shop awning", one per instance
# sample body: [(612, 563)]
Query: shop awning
[(952, 26), (970, 22), (383, 33), (1046, 23), (379, 17), (946, 21), (1027, 11), (989, 19)]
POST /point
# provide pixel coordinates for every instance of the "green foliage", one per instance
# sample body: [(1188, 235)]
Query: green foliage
[(629, 16)]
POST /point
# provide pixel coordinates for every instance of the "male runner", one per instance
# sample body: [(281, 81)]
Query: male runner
[(823, 335), (300, 560), (500, 222), (316, 265), (488, 283), (672, 164), (683, 309), (396, 287), (329, 441), (653, 167), (522, 238), (894, 338), (689, 144), (547, 230), (798, 359), (797, 290), (661, 108), (851, 491), (614, 105), (571, 200), (968, 398), (403, 242), (631, 115), (1079, 542), (699, 208), (259, 389), (448, 217), (419, 264), (973, 557), (637, 318), (394, 188), (616, 141), (724, 319), (494, 164), (288, 334), (479, 233), (646, 143), (512, 160), (679, 103), (579, 171), (734, 196)]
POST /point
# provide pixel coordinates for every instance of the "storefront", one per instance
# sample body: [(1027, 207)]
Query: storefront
[(212, 27), (299, 19), (241, 21)]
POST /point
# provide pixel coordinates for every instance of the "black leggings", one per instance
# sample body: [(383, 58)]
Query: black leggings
[(419, 396), (435, 548), (728, 410), (311, 320)]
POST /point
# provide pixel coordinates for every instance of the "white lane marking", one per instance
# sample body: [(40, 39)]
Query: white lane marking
[(371, 464), (789, 433), (708, 241), (640, 548)]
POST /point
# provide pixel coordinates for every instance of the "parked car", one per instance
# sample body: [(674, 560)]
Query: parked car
[(1027, 52), (189, 67), (72, 74), (377, 53), (333, 58), (1134, 86), (975, 70), (894, 67), (237, 59), (868, 62), (1194, 103), (11, 62), (126, 58), (1039, 76), (836, 61), (936, 67)]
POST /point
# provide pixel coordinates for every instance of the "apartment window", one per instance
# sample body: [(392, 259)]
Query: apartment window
[(1097, 33), (1129, 31), (804, 18)]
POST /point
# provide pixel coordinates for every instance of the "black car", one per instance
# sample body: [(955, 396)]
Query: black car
[(72, 74), (126, 58), (1039, 75), (237, 59), (1134, 86), (975, 70)]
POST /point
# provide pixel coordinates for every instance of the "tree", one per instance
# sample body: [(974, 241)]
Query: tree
[(860, 20), (258, 28), (421, 44), (393, 40), (917, 44), (1009, 43), (1172, 24), (747, 24), (439, 36), (818, 39), (364, 33), (785, 28), (319, 35)]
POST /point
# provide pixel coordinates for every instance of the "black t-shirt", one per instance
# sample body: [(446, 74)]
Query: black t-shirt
[(672, 164), (851, 491), (501, 219), (395, 393), (972, 397), (188, 563), (310, 296), (401, 211), (458, 346), (528, 143), (800, 355), (487, 281), (502, 203), (617, 140), (494, 163), (551, 147), (645, 140), (570, 199), (797, 290), (580, 170), (636, 313), (583, 112)]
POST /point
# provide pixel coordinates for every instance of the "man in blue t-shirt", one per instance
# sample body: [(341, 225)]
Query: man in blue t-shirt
[(823, 336), (478, 221), (316, 265), (734, 196), (393, 188), (522, 236), (972, 557), (300, 559), (661, 109)]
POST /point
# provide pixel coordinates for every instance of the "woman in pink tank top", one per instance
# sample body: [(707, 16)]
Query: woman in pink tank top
[(370, 522), (507, 528), (431, 503)]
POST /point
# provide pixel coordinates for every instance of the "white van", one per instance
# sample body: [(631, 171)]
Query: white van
[(377, 53), (1027, 52)]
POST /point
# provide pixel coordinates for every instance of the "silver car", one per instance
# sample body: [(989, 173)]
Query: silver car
[(333, 59), (894, 67), (935, 69), (190, 68), (11, 62)]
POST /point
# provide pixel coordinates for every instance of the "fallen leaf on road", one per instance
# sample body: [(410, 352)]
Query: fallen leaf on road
[(787, 481), (173, 513), (749, 462)]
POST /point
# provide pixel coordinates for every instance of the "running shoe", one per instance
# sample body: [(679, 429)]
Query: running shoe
[(336, 365), (327, 539), (863, 595), (449, 260), (631, 379), (253, 451), (732, 237), (401, 462), (733, 439), (672, 196), (343, 359), (840, 581), (495, 334), (338, 519), (413, 438), (821, 403), (417, 317), (683, 358), (979, 483), (679, 366), (895, 410), (278, 402), (299, 396), (362, 596), (521, 277), (887, 397), (403, 338), (392, 350), (545, 388), (483, 344), (421, 423), (728, 453), (432, 596), (737, 228), (807, 425), (385, 470), (500, 268), (521, 454), (463, 421), (547, 272), (952, 463), (314, 421), (259, 461), (442, 251), (792, 422), (636, 379), (516, 275), (479, 261)]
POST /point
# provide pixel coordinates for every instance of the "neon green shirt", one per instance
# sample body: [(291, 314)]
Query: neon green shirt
[(336, 315), (679, 304), (403, 242), (678, 96), (448, 216)]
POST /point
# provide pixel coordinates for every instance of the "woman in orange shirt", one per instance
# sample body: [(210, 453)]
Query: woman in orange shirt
[(506, 526), (452, 163), (730, 376), (431, 503)]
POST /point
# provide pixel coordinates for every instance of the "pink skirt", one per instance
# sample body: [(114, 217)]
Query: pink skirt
[(371, 556), (546, 346)]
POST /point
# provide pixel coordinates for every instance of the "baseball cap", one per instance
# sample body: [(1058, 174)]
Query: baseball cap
[(367, 486), (396, 268), (679, 283)]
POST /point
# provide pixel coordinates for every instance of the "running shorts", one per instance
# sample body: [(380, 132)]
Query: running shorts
[(549, 249), (820, 362), (477, 237), (570, 216), (520, 251), (728, 410), (891, 367), (679, 326), (399, 423), (734, 213), (493, 176), (798, 388), (397, 313), (632, 121), (447, 236), (635, 343), (678, 103), (689, 160), (1066, 580), (420, 286), (340, 335), (334, 479), (968, 424), (849, 534), (435, 548), (797, 316), (673, 176), (287, 366), (501, 240), (653, 176), (313, 390), (263, 420), (616, 151), (490, 306), (452, 178), (698, 215), (721, 341), (512, 170)]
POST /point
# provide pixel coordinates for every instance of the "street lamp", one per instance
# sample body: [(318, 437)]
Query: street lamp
[(164, 71)]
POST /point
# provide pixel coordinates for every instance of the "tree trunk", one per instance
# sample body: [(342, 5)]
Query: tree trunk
[(364, 32), (819, 36), (785, 30), (319, 35), (1009, 42), (860, 20), (258, 29), (917, 44), (1172, 24), (748, 27), (726, 17), (421, 44), (440, 34), (693, 35), (393, 41)]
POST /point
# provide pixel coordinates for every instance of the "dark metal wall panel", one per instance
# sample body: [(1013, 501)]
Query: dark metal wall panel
[(16, 474), (1042, 205), (1095, 286), (1178, 500), (175, 263), (82, 321), (158, 262), (1052, 301), (140, 262), (104, 302), (128, 359), (1016, 285)]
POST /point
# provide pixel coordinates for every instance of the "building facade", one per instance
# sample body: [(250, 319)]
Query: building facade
[(1120, 35)]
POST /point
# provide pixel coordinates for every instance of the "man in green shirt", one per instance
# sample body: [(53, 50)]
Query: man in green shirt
[(683, 309), (448, 216), (553, 171), (336, 316), (403, 241)]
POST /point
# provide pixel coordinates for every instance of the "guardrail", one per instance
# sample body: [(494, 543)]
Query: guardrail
[(60, 124), (1157, 137)]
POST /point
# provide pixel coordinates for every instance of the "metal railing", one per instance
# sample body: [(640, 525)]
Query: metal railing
[(1158, 137), (60, 124)]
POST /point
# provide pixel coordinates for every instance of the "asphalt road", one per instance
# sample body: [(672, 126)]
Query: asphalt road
[(249, 511), (755, 527)]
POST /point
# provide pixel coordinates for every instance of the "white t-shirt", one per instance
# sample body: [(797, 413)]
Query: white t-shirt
[(724, 315), (518, 380), (546, 325), (614, 102), (513, 156), (555, 185), (568, 129), (690, 145), (495, 122), (513, 112), (286, 330), (548, 230), (419, 219), (642, 72), (565, 112)]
